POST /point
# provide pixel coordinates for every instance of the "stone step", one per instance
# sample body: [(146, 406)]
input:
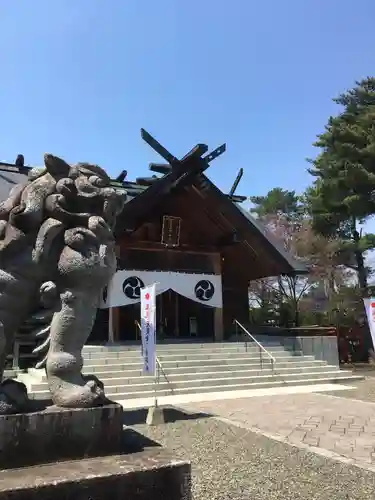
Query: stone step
[(104, 371), (187, 364), (202, 377), (137, 384), (241, 352), (235, 387), (163, 358), (190, 361), (205, 372), (150, 393), (172, 346), (10, 373), (197, 384), (194, 368), (184, 352), (135, 369)]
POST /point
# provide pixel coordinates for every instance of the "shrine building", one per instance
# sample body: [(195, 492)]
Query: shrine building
[(197, 244)]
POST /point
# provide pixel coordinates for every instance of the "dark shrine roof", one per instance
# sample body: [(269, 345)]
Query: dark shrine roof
[(8, 180), (10, 175)]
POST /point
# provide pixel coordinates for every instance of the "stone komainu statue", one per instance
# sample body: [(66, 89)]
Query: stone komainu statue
[(57, 245)]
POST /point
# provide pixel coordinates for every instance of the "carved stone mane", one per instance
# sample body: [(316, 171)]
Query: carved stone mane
[(56, 244)]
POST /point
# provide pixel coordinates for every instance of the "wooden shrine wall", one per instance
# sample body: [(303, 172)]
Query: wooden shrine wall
[(200, 249), (154, 259), (235, 293)]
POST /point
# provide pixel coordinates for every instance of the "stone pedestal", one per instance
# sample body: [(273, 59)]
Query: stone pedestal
[(59, 434), (151, 474), (82, 454)]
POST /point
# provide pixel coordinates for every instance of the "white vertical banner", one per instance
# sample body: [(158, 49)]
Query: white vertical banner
[(370, 313), (148, 329)]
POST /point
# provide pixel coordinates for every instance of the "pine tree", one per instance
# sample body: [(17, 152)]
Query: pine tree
[(343, 194), (277, 201)]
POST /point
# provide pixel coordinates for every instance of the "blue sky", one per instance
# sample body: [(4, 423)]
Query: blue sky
[(80, 78)]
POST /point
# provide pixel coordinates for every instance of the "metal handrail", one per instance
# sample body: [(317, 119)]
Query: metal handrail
[(261, 347)]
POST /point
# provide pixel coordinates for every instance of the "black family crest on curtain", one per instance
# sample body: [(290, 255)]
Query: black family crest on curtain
[(204, 290), (132, 287), (126, 285)]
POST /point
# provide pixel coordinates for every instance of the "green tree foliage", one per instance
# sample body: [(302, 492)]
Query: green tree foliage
[(280, 210), (323, 226), (277, 202), (283, 214), (296, 300), (343, 194)]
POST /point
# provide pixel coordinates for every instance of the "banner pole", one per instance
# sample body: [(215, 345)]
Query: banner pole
[(151, 295), (157, 364), (155, 414), (156, 383)]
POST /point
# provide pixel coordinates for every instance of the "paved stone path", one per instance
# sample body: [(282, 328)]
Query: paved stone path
[(331, 426)]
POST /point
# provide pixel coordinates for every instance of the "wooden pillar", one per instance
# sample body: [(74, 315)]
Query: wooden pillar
[(218, 313), (116, 323), (113, 325), (114, 315), (110, 326), (218, 324), (177, 315), (235, 293)]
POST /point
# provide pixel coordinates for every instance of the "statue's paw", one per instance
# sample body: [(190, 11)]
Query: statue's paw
[(87, 393), (97, 387), (13, 397), (95, 384)]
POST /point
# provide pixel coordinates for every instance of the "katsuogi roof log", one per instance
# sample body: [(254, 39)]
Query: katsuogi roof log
[(181, 172)]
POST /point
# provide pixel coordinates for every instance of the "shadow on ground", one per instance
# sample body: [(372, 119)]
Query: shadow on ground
[(134, 441), (139, 416)]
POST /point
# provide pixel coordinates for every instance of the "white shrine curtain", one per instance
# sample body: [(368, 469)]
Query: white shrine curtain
[(124, 289)]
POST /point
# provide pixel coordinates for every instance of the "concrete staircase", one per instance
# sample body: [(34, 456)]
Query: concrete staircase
[(10, 373), (195, 368)]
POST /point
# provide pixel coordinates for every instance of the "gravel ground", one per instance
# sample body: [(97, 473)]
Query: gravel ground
[(231, 463)]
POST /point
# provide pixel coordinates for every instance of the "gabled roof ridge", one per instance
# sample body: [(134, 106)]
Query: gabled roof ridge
[(13, 168), (297, 266), (134, 189)]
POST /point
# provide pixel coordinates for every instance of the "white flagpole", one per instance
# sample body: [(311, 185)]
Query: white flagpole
[(150, 359), (157, 367), (148, 328)]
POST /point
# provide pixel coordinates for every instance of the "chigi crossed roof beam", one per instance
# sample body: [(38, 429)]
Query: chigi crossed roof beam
[(166, 168), (180, 173), (196, 153), (190, 165)]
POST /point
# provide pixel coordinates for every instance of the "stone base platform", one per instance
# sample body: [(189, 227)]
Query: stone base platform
[(151, 474), (52, 434)]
